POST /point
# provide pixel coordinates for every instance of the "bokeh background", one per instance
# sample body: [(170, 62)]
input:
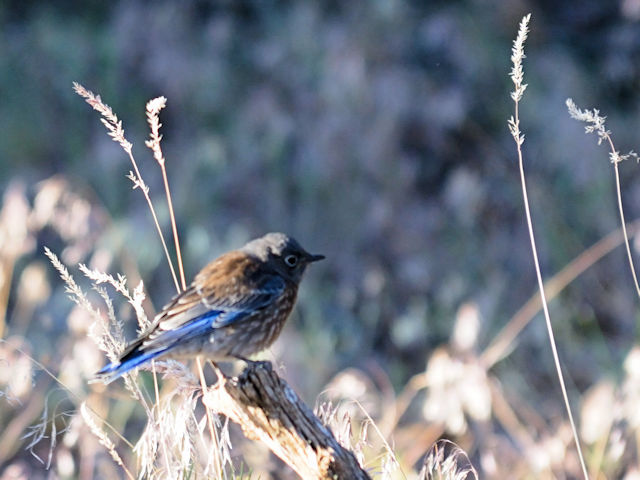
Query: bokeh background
[(375, 133)]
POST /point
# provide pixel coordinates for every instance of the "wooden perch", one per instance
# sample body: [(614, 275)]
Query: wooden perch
[(268, 410)]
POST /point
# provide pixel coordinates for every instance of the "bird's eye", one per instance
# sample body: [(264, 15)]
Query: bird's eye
[(291, 260)]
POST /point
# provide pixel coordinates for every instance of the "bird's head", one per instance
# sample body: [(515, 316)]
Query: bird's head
[(282, 253)]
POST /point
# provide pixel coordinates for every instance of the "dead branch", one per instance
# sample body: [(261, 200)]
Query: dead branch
[(267, 409)]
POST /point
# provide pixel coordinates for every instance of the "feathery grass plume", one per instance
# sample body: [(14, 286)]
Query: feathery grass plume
[(595, 123), (517, 76), (112, 343), (115, 131), (447, 461), (76, 294), (388, 459), (517, 55), (135, 299), (592, 117), (174, 418), (106, 331), (114, 324), (103, 438), (338, 419), (153, 111), (109, 119)]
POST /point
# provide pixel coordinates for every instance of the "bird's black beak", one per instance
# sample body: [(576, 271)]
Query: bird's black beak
[(314, 258)]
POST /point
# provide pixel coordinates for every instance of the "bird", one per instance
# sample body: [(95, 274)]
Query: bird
[(234, 307)]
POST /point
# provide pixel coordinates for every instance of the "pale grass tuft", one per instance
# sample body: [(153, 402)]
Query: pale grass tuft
[(102, 437), (517, 76), (38, 431), (595, 123), (517, 55), (592, 117), (174, 418), (106, 331), (388, 460), (153, 110), (346, 413), (447, 461), (115, 330), (135, 299), (111, 344), (46, 428), (116, 131), (388, 465), (71, 287), (114, 126), (109, 119), (339, 421)]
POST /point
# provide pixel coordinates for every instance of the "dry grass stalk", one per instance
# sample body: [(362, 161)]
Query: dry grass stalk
[(103, 438), (153, 111), (595, 124), (517, 77), (115, 130)]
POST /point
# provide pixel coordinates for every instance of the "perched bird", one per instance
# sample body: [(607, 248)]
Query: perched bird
[(236, 306)]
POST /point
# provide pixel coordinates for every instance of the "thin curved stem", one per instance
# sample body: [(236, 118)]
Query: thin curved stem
[(622, 220), (545, 308), (174, 228), (212, 430), (517, 76), (145, 191)]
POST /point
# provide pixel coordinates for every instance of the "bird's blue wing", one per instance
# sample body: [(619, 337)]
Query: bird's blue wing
[(191, 314)]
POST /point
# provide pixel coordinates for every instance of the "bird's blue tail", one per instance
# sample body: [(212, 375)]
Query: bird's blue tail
[(136, 354), (115, 370)]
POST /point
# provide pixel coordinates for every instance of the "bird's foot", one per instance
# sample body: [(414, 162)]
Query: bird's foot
[(256, 363)]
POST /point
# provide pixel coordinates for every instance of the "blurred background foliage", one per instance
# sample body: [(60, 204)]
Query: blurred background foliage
[(372, 131)]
